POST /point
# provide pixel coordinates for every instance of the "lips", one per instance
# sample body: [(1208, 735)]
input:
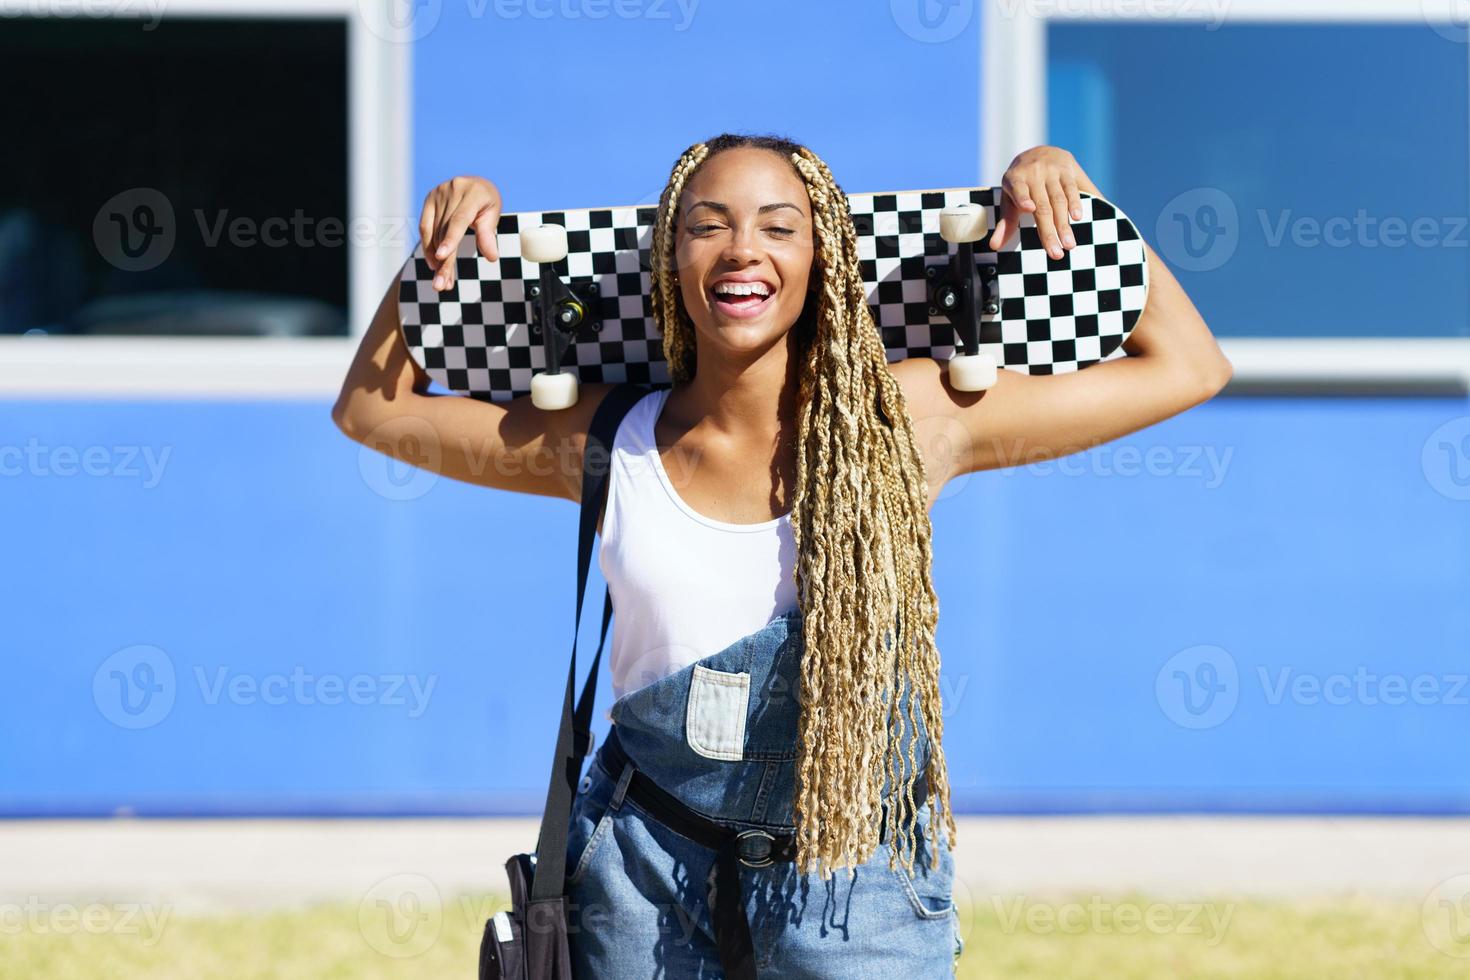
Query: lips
[(741, 297)]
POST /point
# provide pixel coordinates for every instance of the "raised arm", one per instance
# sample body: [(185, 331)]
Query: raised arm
[(384, 403), (1173, 361)]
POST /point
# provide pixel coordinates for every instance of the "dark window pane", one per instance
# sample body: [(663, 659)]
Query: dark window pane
[(184, 177)]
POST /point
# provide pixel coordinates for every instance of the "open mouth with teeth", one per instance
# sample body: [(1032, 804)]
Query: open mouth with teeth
[(741, 298)]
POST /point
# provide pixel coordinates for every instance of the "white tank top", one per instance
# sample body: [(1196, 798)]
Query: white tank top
[(683, 585)]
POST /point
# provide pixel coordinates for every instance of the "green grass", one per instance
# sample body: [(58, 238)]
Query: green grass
[(1118, 939)]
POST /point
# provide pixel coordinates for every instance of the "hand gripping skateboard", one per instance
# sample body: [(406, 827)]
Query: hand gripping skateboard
[(569, 296)]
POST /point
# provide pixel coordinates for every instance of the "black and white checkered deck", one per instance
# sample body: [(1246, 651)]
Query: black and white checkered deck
[(1055, 315)]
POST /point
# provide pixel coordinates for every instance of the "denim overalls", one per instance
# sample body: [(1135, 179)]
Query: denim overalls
[(720, 734)]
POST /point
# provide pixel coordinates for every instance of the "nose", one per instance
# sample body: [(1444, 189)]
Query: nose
[(741, 247)]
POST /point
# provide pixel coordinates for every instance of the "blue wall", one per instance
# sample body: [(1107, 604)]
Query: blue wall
[(1114, 626), (616, 100), (1314, 537)]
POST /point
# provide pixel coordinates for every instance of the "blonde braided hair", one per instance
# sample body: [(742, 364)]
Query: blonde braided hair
[(861, 525)]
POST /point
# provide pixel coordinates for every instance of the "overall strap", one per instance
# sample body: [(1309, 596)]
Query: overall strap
[(574, 737)]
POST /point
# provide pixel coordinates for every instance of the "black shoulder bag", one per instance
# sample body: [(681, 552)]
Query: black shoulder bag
[(530, 941)]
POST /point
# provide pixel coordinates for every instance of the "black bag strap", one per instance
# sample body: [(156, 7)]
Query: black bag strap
[(575, 735)]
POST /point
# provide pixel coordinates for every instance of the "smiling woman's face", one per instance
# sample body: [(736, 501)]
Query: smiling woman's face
[(744, 249)]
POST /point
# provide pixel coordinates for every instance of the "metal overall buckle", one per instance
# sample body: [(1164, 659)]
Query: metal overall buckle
[(752, 850)]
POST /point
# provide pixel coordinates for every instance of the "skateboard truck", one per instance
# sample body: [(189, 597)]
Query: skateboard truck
[(559, 310), (964, 294)]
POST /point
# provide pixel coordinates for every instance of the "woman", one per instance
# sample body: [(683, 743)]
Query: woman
[(772, 599)]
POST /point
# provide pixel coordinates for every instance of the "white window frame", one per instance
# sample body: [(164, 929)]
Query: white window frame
[(379, 185), (1013, 66)]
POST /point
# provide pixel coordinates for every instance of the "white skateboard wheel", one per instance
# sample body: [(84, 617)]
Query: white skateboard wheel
[(972, 372), (554, 392), (545, 243), (963, 223)]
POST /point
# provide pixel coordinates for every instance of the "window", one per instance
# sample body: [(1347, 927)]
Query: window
[(1303, 168), (188, 178), (296, 151), (1294, 193)]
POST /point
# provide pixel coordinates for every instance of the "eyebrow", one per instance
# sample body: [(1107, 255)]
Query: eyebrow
[(764, 208)]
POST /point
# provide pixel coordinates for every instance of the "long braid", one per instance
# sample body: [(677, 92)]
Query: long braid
[(861, 525), (920, 603), (678, 342)]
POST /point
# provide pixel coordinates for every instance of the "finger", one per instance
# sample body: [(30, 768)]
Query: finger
[(427, 224), (1007, 222), (1059, 214), (485, 226), (453, 229), (1046, 227), (1000, 233), (451, 196), (443, 258), (1074, 199), (1020, 189), (434, 252)]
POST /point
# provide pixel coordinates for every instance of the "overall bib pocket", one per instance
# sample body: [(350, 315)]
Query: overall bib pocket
[(714, 721)]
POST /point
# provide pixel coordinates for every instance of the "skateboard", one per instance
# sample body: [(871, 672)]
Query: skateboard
[(569, 296)]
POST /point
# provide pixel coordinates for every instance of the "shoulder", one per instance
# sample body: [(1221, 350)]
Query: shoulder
[(926, 388), (938, 413), (576, 422)]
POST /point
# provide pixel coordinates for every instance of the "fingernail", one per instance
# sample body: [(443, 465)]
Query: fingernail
[(1076, 214), (442, 251), (1070, 241), (438, 282)]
